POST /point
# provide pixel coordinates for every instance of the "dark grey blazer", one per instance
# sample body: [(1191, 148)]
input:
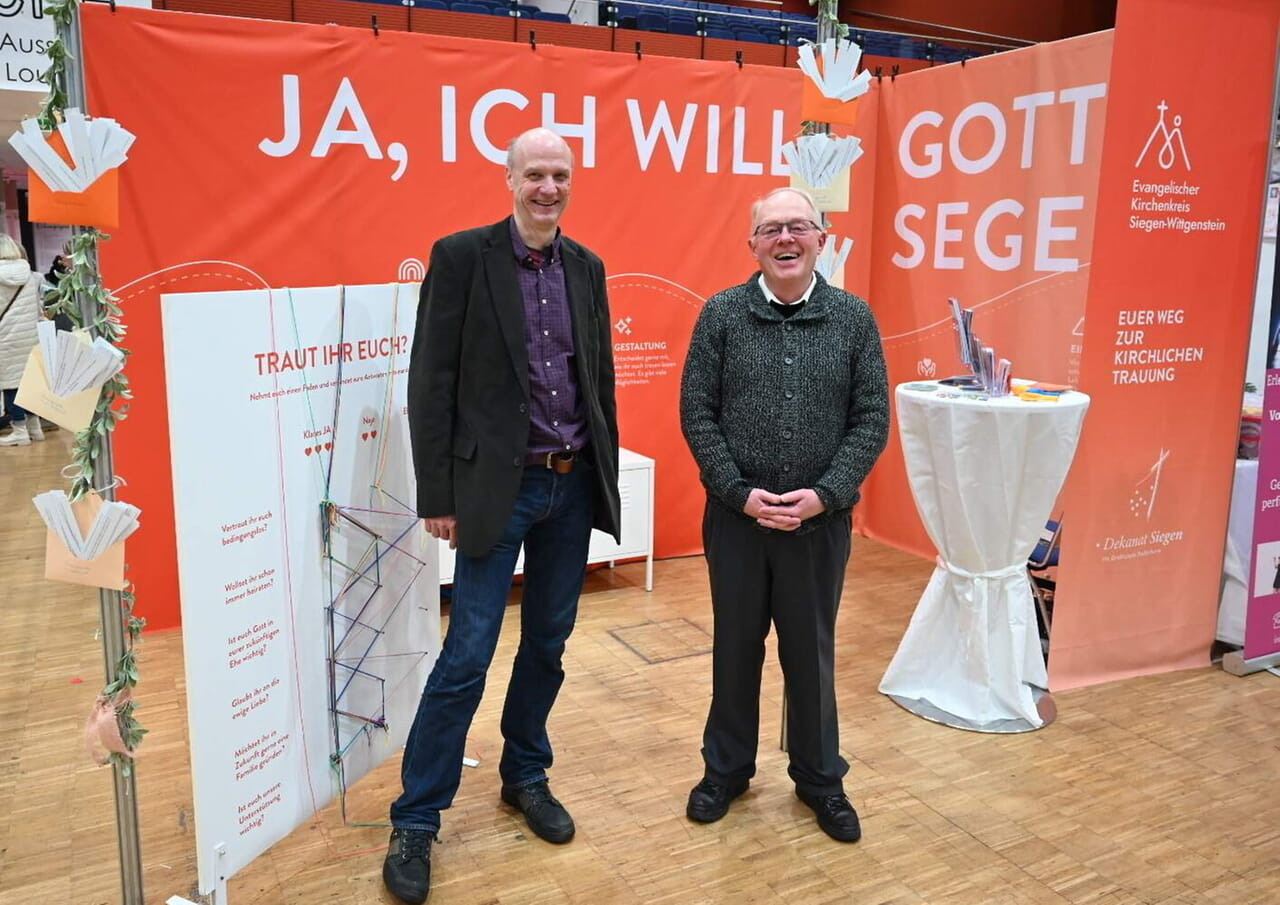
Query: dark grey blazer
[(469, 383)]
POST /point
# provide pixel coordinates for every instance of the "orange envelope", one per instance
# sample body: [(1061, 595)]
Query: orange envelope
[(73, 413), (817, 107), (107, 571), (98, 205)]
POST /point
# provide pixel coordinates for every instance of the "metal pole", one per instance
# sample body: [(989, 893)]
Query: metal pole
[(113, 632), (826, 28)]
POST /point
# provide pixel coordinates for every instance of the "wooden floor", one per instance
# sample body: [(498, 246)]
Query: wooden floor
[(1161, 790)]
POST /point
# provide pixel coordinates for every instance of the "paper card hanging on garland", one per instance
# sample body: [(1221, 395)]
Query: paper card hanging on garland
[(833, 199), (830, 87), (98, 205), (72, 413), (831, 260), (60, 564)]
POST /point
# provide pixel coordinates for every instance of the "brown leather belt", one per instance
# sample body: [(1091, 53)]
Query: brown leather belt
[(559, 462)]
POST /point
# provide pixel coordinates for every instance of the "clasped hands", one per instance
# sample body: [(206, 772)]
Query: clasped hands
[(785, 511)]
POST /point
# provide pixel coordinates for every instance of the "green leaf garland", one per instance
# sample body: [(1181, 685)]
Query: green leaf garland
[(82, 280)]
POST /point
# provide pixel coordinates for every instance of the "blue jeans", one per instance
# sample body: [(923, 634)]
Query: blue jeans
[(552, 518), (16, 415)]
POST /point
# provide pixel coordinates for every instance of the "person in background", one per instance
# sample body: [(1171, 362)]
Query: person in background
[(57, 270), (514, 431), (784, 404), (20, 311)]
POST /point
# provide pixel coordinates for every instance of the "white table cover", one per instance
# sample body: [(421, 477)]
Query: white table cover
[(985, 475)]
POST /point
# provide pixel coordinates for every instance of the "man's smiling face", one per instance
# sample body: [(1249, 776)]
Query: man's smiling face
[(540, 180), (786, 259)]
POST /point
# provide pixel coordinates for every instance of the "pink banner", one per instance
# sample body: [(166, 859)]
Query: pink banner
[(1262, 619)]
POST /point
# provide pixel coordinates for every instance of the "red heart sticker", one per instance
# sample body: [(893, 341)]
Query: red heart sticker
[(307, 450), (328, 446), (317, 449), (364, 436), (373, 433)]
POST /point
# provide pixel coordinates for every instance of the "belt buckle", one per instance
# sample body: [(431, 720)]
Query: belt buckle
[(561, 463)]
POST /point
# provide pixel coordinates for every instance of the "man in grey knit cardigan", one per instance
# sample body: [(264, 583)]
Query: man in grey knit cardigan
[(784, 404)]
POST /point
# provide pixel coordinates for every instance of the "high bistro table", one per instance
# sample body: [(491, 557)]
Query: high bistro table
[(985, 473)]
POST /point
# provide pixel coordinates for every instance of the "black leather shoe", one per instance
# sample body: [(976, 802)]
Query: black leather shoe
[(709, 801), (545, 816), (406, 872), (835, 815)]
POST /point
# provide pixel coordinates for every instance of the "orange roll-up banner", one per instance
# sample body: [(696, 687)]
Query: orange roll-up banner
[(280, 154), (986, 177), (1170, 301)]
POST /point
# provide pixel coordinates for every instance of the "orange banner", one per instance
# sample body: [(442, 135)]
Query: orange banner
[(312, 155), (986, 180), (1170, 298)]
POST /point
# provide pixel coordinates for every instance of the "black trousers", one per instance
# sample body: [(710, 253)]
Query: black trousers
[(794, 582)]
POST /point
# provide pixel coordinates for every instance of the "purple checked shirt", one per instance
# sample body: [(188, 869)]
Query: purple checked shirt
[(556, 421)]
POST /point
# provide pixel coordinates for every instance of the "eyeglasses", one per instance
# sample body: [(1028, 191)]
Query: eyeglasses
[(797, 228)]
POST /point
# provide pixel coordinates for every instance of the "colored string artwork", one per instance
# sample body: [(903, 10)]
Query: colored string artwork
[(370, 538)]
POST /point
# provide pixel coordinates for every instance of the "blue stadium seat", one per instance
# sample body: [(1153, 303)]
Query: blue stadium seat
[(430, 4), (470, 8), (716, 19), (881, 45), (719, 31), (554, 17), (651, 21)]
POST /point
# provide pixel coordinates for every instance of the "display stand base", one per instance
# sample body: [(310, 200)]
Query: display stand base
[(216, 896), (1235, 663), (1044, 706)]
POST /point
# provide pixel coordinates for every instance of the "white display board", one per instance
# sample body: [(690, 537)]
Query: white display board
[(25, 33), (287, 425)]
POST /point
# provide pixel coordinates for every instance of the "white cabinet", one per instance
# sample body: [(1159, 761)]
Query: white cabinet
[(635, 489)]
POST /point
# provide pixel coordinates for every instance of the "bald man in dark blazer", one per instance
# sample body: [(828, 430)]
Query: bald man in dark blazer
[(515, 442)]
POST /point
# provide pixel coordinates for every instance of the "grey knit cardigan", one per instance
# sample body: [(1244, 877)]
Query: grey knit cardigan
[(785, 403)]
